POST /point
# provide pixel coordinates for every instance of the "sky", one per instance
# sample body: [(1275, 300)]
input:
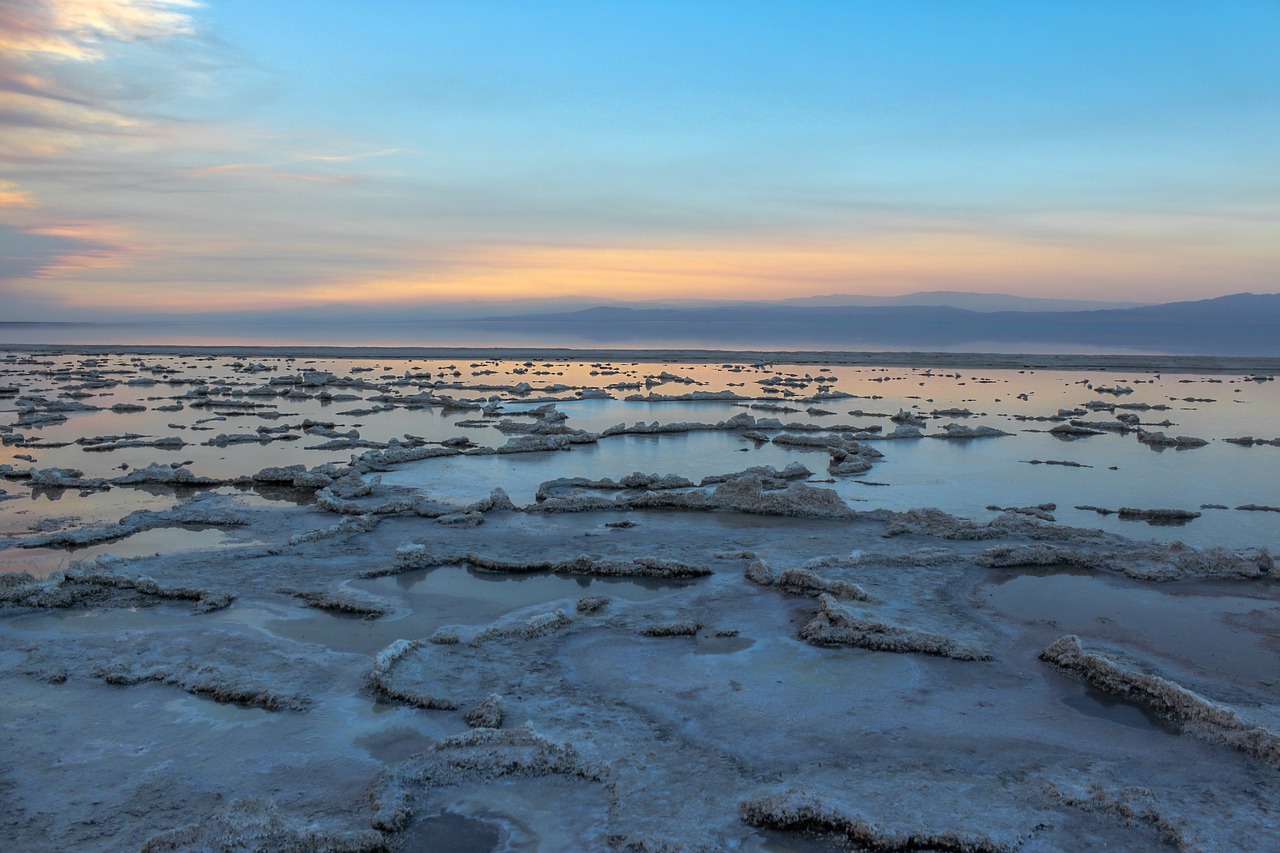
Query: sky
[(241, 155)]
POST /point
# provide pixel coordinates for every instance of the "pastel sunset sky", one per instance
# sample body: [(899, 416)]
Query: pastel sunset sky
[(173, 155)]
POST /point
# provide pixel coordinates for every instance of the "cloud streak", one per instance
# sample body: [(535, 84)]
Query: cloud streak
[(81, 29)]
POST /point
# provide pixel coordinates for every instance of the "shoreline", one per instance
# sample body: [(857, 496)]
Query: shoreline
[(971, 360)]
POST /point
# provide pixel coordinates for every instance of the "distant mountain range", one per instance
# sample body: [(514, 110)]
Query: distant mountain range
[(1243, 323), (958, 299), (1240, 324)]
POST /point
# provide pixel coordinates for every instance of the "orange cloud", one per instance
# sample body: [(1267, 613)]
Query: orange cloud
[(12, 196), (264, 170), (345, 158), (75, 29), (885, 264)]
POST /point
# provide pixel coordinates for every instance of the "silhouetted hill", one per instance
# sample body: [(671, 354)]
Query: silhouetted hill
[(1241, 323)]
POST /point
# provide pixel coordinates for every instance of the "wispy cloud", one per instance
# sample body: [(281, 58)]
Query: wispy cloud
[(79, 29), (60, 100), (12, 196), (346, 158)]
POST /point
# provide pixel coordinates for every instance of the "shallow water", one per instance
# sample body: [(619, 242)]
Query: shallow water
[(962, 477), (427, 599), (1169, 621)]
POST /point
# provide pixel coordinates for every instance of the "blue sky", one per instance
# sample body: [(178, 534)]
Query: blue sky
[(167, 155)]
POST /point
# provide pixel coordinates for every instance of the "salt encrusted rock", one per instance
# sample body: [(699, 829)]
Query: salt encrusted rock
[(1159, 439), (833, 625), (799, 811), (1196, 714), (646, 567), (339, 601), (95, 585), (592, 603), (488, 714), (478, 755), (255, 826), (965, 431), (635, 480), (236, 685), (846, 465), (793, 471), (802, 581), (381, 679), (530, 444), (691, 397), (1044, 512), (1075, 430), (167, 475), (1250, 441), (742, 420), (1150, 562), (748, 494), (350, 525), (172, 442), (1157, 514), (65, 478), (397, 454), (934, 522), (136, 522), (759, 573)]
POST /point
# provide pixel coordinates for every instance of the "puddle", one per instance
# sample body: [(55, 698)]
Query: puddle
[(75, 621), (801, 842), (38, 562), (451, 595), (721, 645), (1092, 702), (42, 562), (158, 540), (219, 715), (451, 833), (394, 744), (1191, 628)]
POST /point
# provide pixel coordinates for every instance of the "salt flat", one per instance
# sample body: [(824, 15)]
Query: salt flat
[(366, 599)]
